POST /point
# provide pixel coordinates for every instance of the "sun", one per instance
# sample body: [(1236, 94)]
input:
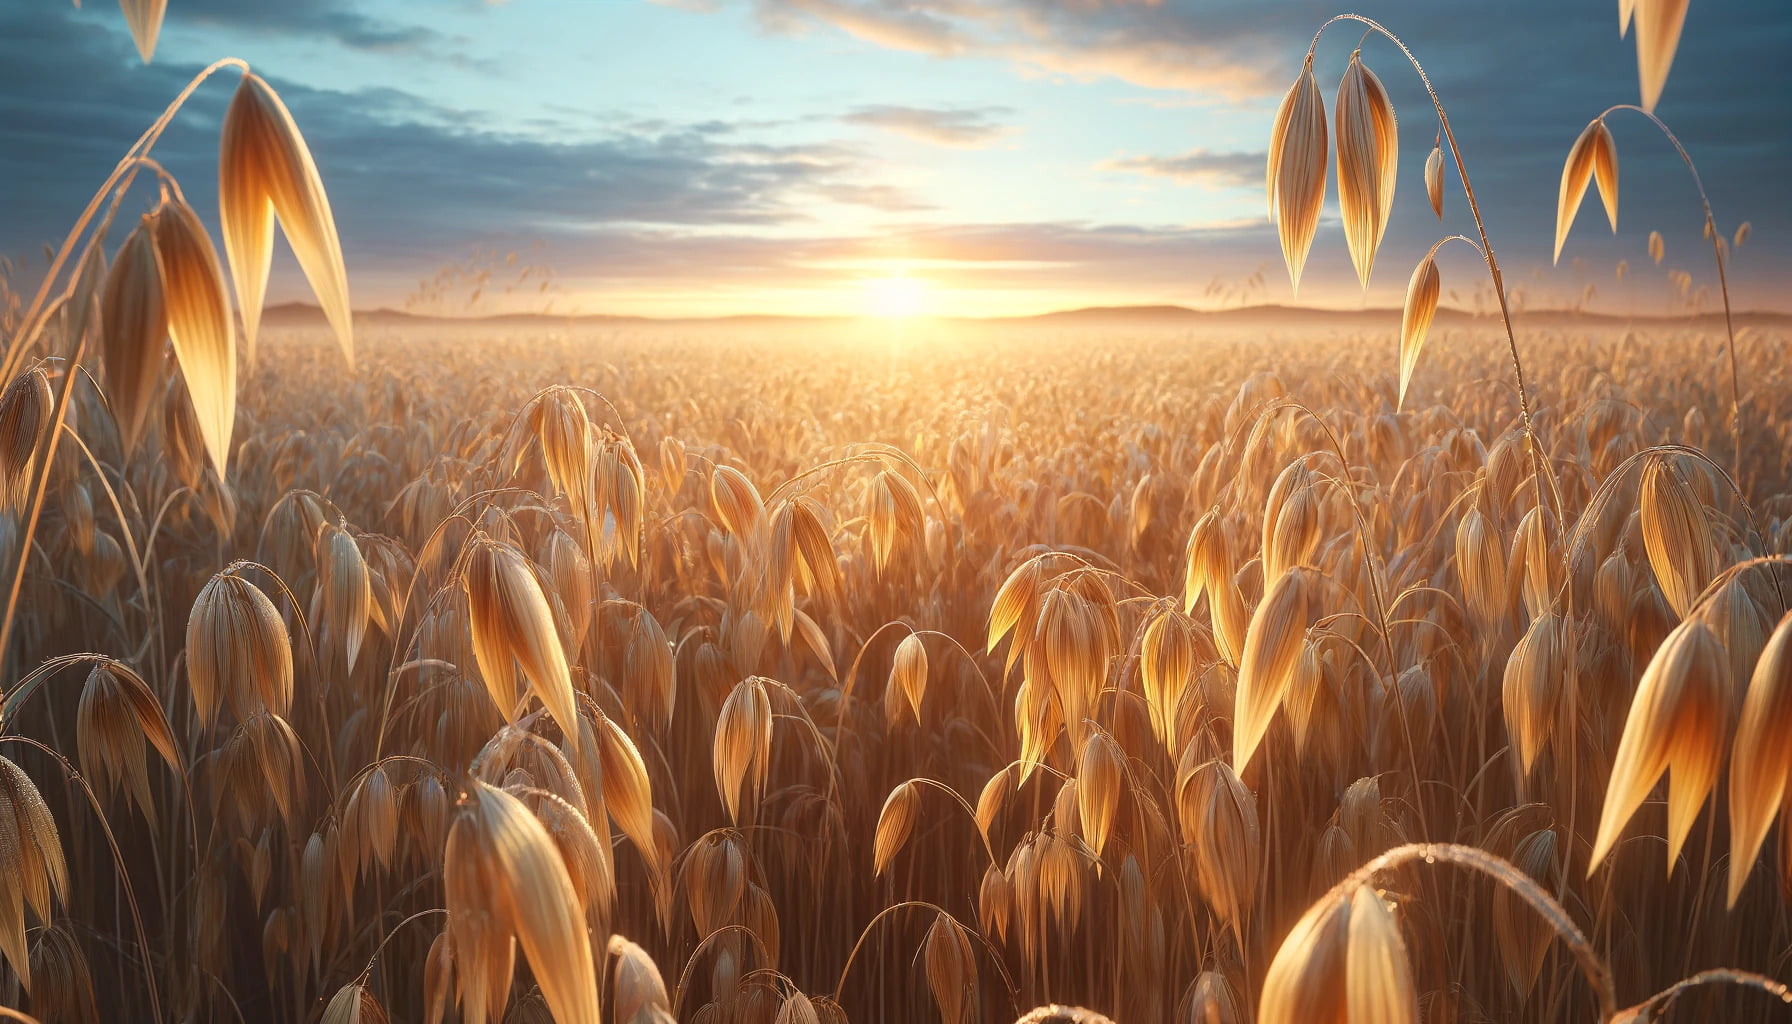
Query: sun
[(897, 296)]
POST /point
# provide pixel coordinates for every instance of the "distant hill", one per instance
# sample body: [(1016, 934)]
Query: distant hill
[(300, 314)]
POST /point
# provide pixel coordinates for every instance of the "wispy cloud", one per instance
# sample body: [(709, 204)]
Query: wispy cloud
[(962, 128), (1226, 170)]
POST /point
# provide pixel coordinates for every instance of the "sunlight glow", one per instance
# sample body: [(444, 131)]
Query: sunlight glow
[(897, 296)]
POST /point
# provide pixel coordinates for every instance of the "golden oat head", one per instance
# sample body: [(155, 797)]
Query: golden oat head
[(199, 324), (1761, 760), (1344, 962), (503, 874), (512, 625), (1272, 646), (1678, 723), (894, 824), (1295, 180), (1658, 25), (1594, 156), (265, 173), (144, 18), (1368, 144), (1422, 293), (1434, 180)]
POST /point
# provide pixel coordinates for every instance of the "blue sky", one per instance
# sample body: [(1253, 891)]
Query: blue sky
[(1013, 156)]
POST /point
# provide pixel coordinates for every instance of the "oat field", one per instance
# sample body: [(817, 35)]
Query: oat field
[(1288, 669)]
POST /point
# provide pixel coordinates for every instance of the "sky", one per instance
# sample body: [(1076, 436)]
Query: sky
[(950, 157)]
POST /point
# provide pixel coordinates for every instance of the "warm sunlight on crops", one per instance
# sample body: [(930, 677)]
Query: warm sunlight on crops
[(1280, 665)]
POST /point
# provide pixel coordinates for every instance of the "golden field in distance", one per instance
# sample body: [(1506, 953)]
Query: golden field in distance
[(905, 667)]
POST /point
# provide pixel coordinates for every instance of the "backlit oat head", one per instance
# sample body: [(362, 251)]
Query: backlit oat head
[(743, 743), (1295, 181), (1434, 180), (512, 625), (1658, 24), (144, 17), (265, 171), (1594, 155), (1271, 647), (894, 824), (1368, 142), (951, 970), (1678, 723), (1415, 319), (200, 326), (1761, 760), (1677, 534), (504, 878), (908, 672)]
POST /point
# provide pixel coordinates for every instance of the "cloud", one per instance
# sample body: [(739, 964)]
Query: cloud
[(336, 20), (405, 179), (1226, 170), (906, 26), (964, 128), (1219, 46)]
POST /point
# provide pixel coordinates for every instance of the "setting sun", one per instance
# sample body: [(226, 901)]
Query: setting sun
[(898, 296)]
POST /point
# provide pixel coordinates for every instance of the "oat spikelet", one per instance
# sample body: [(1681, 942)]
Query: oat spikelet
[(736, 501), (1368, 152), (1271, 647), (1434, 180), (743, 746), (1015, 604), (640, 991), (627, 790), (354, 1004), (951, 970), (116, 714), (526, 892), (133, 332), (1415, 319), (32, 871), (1657, 248), (199, 323), (1166, 663), (1219, 825), (1378, 975), (1524, 937), (144, 17), (1534, 683), (1306, 981), (1761, 761), (347, 590), (1211, 1000), (908, 672), (1100, 772), (896, 515), (1658, 24), (1593, 154), (894, 823), (265, 172), (62, 987), (1677, 722), (511, 625), (1295, 180), (1677, 535), (25, 410), (238, 651)]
